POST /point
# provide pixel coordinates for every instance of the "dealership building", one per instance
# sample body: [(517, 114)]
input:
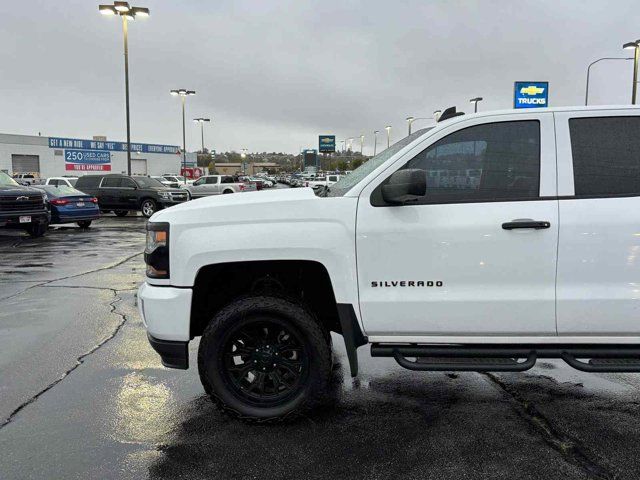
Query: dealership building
[(55, 156)]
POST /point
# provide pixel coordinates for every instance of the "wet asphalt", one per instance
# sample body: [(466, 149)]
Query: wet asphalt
[(83, 395)]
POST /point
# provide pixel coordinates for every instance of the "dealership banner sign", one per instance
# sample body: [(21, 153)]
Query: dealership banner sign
[(87, 160), (530, 94), (77, 144)]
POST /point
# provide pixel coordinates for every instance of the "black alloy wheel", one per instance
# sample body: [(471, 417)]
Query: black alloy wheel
[(265, 362)]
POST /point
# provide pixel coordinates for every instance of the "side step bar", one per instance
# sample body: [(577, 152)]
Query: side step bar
[(509, 358)]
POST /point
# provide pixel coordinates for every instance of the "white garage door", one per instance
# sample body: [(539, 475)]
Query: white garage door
[(138, 166), (25, 163)]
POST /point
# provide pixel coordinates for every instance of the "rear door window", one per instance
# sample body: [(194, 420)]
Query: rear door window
[(111, 182), (606, 156)]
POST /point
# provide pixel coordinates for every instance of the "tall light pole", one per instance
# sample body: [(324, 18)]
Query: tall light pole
[(475, 103), (436, 114), (410, 120), (361, 144), (636, 47), (183, 94), (388, 129), (375, 141), (243, 155), (342, 144), (350, 144), (202, 121), (126, 13), (586, 90)]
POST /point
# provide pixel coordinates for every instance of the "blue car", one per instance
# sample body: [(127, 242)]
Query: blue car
[(69, 205)]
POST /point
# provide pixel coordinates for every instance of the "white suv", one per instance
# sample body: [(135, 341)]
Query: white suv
[(482, 244)]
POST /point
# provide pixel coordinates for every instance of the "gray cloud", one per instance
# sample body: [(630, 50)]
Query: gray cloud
[(273, 75)]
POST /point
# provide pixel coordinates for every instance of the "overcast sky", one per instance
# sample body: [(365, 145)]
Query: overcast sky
[(275, 74)]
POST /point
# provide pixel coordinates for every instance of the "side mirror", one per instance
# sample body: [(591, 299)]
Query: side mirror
[(405, 186)]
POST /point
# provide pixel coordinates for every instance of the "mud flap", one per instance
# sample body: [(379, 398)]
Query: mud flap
[(352, 334)]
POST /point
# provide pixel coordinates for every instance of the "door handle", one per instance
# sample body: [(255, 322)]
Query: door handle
[(537, 225)]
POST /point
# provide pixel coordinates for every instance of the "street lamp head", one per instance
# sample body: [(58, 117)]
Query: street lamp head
[(107, 10), (375, 132), (475, 100), (410, 119), (630, 45), (140, 11), (182, 92), (437, 113), (121, 7), (388, 127)]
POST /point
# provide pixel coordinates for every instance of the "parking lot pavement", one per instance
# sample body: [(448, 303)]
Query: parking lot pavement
[(82, 395)]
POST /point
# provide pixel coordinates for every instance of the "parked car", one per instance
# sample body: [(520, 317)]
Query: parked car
[(322, 182), (57, 181), (439, 255), (215, 185), (167, 182), (27, 178), (69, 205), (23, 207), (123, 194), (178, 179)]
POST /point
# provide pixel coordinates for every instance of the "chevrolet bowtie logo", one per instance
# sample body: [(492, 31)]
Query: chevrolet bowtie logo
[(531, 90)]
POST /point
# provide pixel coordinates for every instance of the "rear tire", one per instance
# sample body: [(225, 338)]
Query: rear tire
[(264, 359), (36, 230), (84, 223), (227, 192), (121, 213)]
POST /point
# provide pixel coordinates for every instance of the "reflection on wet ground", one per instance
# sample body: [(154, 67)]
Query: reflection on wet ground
[(96, 402)]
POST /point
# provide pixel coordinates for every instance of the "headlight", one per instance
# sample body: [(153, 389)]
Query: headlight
[(156, 253)]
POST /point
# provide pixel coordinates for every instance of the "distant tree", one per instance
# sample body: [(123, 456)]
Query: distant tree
[(356, 163)]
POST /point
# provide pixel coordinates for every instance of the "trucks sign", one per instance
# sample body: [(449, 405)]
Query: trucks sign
[(327, 143), (530, 94), (87, 160)]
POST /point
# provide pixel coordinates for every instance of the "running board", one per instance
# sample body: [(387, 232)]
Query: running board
[(507, 358)]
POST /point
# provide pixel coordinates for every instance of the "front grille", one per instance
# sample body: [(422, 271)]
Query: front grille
[(12, 204), (178, 197)]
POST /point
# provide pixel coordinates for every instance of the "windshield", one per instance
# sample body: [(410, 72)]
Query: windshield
[(7, 181), (146, 182), (347, 182)]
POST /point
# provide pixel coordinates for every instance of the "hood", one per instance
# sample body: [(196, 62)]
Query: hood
[(13, 190), (228, 207)]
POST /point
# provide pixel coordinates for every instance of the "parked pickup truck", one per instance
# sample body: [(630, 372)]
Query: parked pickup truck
[(214, 185), (23, 207), (322, 182), (483, 244)]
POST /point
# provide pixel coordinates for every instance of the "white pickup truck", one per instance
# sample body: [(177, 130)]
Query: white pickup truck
[(214, 185), (483, 244), (322, 182)]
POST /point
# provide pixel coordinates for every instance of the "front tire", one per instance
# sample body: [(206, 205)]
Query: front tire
[(264, 359), (84, 224), (148, 207), (226, 192)]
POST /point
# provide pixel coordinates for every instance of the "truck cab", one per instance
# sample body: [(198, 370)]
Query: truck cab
[(483, 244)]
